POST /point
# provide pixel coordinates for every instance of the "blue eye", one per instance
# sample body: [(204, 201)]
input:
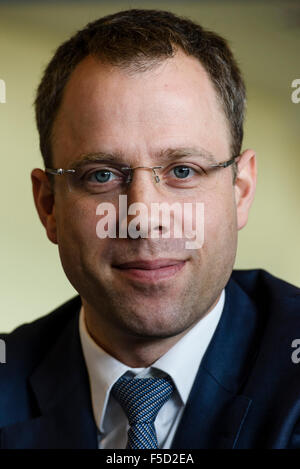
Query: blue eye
[(96, 179), (182, 172), (101, 176)]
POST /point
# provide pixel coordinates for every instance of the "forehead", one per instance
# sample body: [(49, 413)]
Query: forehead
[(107, 108)]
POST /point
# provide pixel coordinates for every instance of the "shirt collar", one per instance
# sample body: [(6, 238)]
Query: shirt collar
[(181, 362)]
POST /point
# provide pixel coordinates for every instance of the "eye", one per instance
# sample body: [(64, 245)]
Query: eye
[(182, 172), (102, 175)]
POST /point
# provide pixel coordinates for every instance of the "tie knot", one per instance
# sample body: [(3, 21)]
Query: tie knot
[(142, 398)]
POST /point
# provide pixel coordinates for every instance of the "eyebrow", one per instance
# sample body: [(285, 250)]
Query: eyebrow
[(164, 155), (173, 153)]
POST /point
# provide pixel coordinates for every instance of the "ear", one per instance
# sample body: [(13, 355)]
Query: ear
[(245, 186), (44, 202)]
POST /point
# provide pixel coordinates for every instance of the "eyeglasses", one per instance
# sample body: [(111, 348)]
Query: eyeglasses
[(97, 177)]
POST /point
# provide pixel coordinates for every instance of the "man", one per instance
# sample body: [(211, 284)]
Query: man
[(165, 346)]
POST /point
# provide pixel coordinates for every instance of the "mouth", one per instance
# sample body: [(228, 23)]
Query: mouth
[(151, 271)]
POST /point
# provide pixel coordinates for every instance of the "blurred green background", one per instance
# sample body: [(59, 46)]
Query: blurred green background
[(265, 38)]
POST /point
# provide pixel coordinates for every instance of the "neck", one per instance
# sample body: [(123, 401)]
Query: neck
[(130, 349), (133, 351)]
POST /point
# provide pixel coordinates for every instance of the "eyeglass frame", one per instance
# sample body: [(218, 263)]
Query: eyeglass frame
[(61, 171)]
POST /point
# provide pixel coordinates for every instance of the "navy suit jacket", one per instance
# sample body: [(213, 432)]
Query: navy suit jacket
[(246, 393)]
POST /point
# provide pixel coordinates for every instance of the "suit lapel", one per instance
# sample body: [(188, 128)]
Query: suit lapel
[(60, 390), (216, 409)]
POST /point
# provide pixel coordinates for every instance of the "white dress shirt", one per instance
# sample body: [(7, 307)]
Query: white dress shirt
[(181, 363)]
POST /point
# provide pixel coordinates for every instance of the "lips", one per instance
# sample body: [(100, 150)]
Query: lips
[(150, 272), (149, 265)]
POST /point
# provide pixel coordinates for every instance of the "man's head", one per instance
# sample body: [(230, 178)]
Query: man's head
[(136, 85), (136, 40)]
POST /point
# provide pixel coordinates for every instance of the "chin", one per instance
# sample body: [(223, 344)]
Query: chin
[(162, 327)]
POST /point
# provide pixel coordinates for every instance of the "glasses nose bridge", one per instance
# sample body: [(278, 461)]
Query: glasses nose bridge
[(154, 170), (144, 188)]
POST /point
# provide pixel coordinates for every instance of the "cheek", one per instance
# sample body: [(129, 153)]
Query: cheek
[(76, 229), (220, 225)]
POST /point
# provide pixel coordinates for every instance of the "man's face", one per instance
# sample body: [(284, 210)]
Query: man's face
[(136, 116)]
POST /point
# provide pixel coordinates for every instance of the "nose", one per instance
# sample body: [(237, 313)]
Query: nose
[(144, 194)]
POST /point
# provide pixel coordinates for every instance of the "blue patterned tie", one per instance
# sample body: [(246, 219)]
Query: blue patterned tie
[(141, 400)]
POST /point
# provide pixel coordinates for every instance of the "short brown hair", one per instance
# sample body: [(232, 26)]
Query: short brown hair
[(136, 39)]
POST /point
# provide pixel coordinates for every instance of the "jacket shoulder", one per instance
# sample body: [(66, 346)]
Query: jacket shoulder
[(276, 301), (26, 345), (258, 283)]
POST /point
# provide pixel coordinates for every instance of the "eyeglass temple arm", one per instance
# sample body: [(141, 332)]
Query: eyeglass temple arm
[(226, 163), (59, 171)]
